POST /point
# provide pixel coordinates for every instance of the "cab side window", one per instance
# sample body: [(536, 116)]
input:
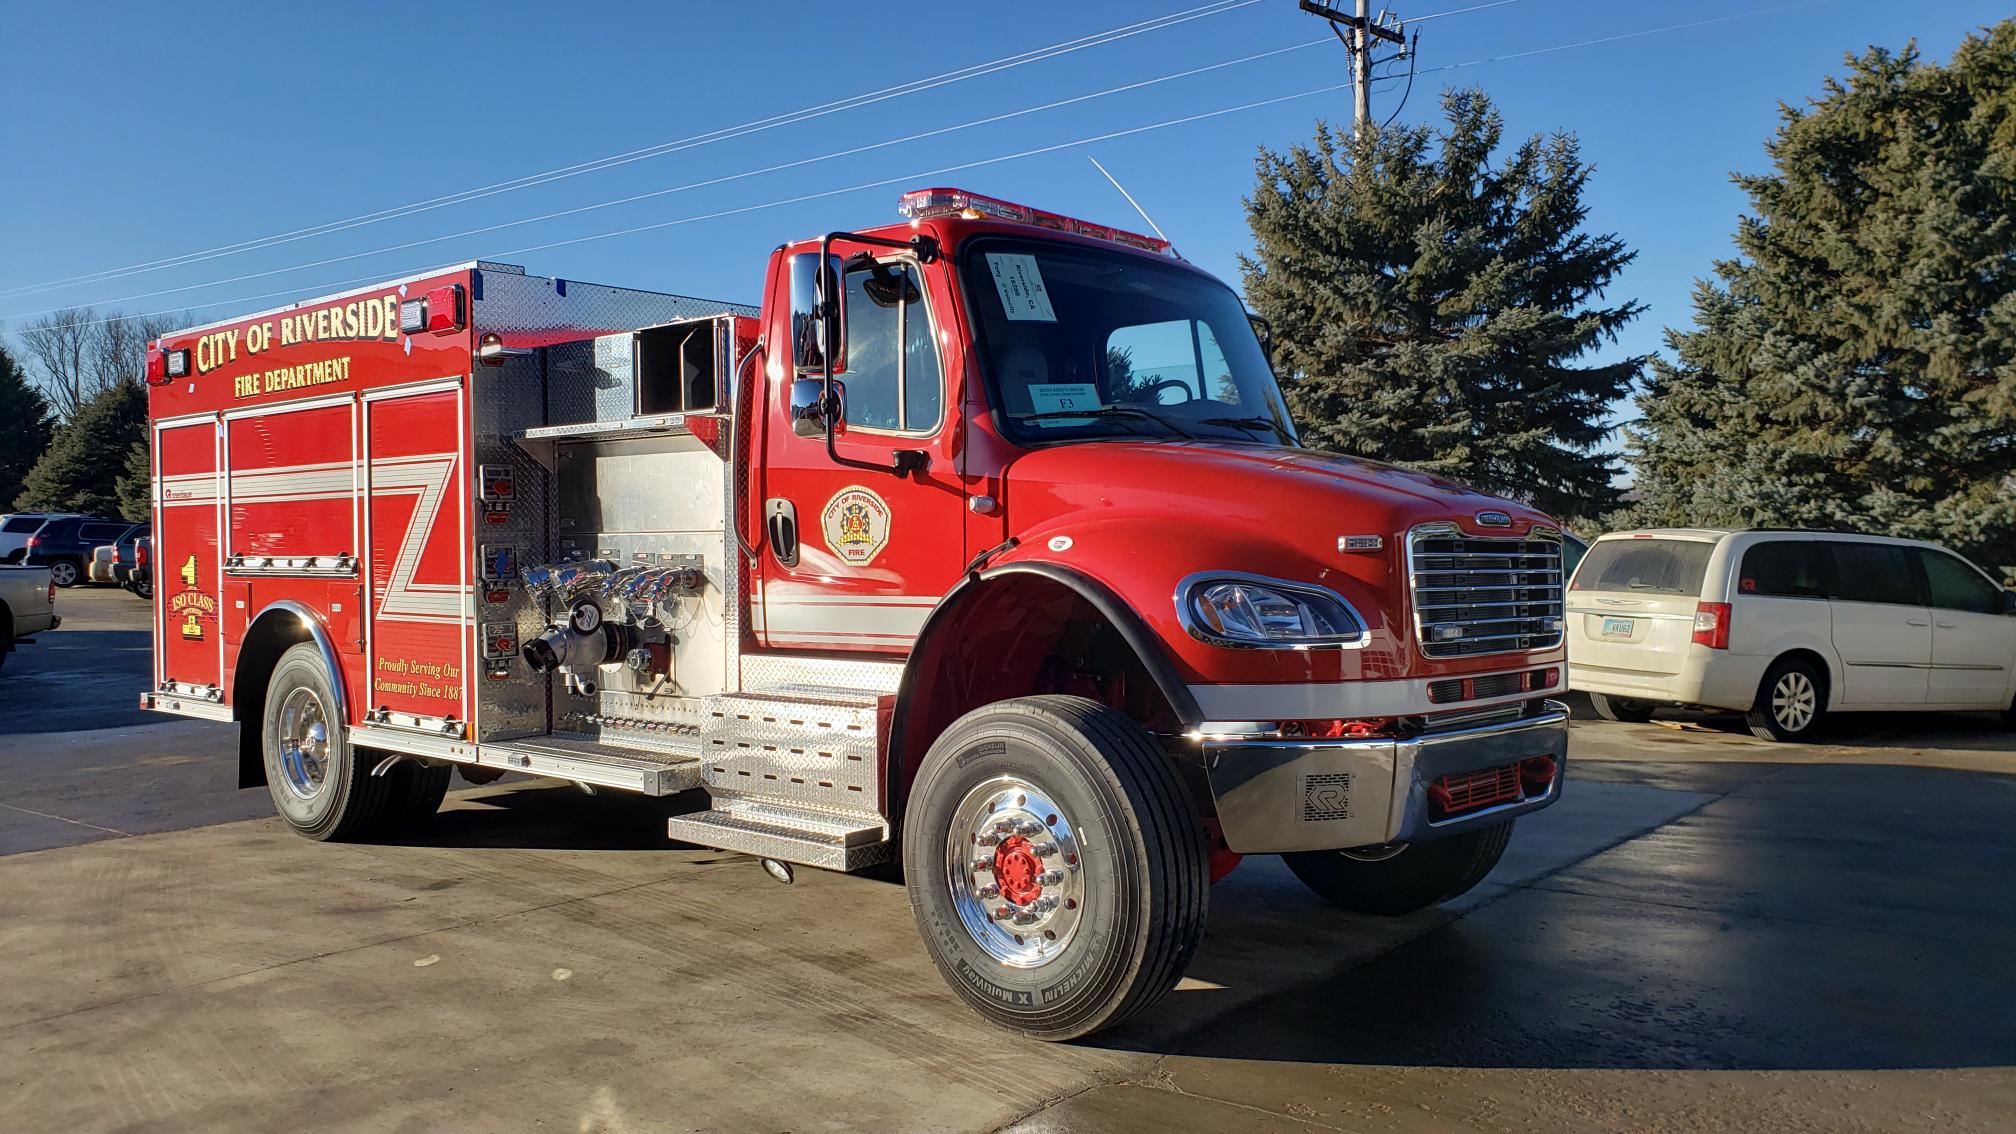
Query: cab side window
[(1874, 572), (892, 373), (1956, 586), (1783, 569)]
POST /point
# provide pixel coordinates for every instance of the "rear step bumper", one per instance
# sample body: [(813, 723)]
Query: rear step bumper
[(1282, 796)]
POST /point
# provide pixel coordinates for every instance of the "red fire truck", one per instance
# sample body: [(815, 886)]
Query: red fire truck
[(985, 543)]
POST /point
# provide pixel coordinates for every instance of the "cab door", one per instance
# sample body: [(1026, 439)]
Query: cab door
[(855, 555)]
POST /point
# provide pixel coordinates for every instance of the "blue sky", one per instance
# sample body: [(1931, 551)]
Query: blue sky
[(141, 131)]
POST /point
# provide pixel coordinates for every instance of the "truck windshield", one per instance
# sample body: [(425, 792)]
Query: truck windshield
[(1082, 343)]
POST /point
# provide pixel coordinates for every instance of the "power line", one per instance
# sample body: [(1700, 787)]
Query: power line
[(325, 288), (1458, 11), (705, 183), (804, 114)]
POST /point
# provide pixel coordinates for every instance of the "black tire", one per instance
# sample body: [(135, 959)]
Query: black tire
[(334, 797), (1400, 880), (6, 638), (1621, 709), (65, 572), (413, 796), (1791, 701), (1131, 910), (144, 588)]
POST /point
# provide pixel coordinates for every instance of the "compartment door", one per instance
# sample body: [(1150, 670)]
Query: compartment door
[(416, 536), (188, 575)]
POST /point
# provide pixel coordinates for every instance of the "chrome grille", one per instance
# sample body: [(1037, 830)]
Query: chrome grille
[(1476, 596)]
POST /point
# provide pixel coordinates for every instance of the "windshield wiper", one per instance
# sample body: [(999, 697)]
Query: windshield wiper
[(1255, 421), (1107, 412)]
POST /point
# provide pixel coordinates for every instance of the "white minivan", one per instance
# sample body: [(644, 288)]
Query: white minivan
[(1786, 626)]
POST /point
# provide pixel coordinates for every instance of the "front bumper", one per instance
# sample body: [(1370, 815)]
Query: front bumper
[(1281, 796)]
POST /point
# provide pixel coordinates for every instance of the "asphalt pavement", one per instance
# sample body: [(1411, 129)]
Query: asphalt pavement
[(1709, 932)]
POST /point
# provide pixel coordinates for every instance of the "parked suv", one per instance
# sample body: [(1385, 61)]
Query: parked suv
[(123, 553), (65, 545), (1786, 626), (16, 527)]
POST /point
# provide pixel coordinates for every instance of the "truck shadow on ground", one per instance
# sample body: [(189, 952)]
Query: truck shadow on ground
[(529, 814), (1823, 918)]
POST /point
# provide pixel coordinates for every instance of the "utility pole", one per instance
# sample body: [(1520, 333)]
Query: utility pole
[(1364, 32)]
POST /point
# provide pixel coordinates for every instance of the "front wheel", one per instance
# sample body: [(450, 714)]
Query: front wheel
[(1055, 864), (1400, 879), (1790, 702)]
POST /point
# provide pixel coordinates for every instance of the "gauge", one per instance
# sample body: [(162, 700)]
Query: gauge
[(585, 618)]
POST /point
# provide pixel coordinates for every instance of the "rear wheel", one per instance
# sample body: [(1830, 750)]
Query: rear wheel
[(414, 793), (315, 778), (1621, 709), (1055, 864), (64, 572), (1401, 879), (1790, 701)]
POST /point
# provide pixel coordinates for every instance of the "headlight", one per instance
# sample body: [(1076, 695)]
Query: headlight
[(1266, 614)]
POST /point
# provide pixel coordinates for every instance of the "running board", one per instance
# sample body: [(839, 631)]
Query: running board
[(650, 771), (831, 842)]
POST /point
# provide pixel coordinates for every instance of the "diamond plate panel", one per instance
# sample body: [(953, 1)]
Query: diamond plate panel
[(800, 751)]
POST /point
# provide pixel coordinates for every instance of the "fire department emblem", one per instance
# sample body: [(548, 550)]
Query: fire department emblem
[(856, 525)]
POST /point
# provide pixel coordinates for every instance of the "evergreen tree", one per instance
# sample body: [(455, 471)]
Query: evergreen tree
[(80, 470), (1430, 303), (24, 426), (1855, 367), (136, 484)]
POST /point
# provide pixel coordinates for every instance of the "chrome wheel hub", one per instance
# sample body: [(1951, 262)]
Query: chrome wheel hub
[(1794, 701), (1011, 860), (304, 743)]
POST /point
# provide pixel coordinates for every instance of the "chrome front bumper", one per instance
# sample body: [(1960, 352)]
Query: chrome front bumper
[(1278, 796)]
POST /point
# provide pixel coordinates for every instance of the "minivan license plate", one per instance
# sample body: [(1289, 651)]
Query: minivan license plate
[(1617, 627)]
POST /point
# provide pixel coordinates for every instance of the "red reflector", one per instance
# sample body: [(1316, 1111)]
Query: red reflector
[(1537, 772)]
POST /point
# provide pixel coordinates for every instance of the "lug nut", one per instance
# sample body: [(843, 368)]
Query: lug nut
[(990, 839), (1025, 917), (986, 892), (1051, 878), (1029, 827), (1043, 850), (983, 865), (1003, 914)]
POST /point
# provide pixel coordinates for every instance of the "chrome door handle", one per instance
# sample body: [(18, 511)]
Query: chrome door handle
[(1948, 625), (1915, 622)]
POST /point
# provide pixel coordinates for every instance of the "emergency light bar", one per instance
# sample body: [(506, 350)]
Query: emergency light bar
[(922, 204)]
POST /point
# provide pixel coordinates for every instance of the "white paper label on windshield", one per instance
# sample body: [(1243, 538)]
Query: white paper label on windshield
[(1020, 284), (1056, 396)]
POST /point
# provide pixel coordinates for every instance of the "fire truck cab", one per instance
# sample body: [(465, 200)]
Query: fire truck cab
[(984, 543)]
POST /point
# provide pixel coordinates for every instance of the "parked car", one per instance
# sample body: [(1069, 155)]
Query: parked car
[(27, 607), (1786, 627), (16, 527), (123, 553), (140, 577), (64, 546), (100, 569)]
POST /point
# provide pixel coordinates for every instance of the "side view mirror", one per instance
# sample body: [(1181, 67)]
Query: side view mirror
[(818, 318), (815, 408), (1265, 332)]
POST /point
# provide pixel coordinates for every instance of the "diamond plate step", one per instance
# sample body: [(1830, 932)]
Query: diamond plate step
[(805, 748), (831, 842), (667, 769)]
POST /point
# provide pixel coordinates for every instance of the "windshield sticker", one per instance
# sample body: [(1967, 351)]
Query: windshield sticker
[(1053, 397), (1020, 284)]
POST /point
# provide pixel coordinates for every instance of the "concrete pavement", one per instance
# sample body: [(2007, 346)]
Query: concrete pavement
[(1709, 932)]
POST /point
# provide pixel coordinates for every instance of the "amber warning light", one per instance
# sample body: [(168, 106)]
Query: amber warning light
[(922, 204)]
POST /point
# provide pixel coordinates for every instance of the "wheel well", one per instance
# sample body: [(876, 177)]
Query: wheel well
[(1017, 633), (272, 634), (6, 626), (1819, 664)]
